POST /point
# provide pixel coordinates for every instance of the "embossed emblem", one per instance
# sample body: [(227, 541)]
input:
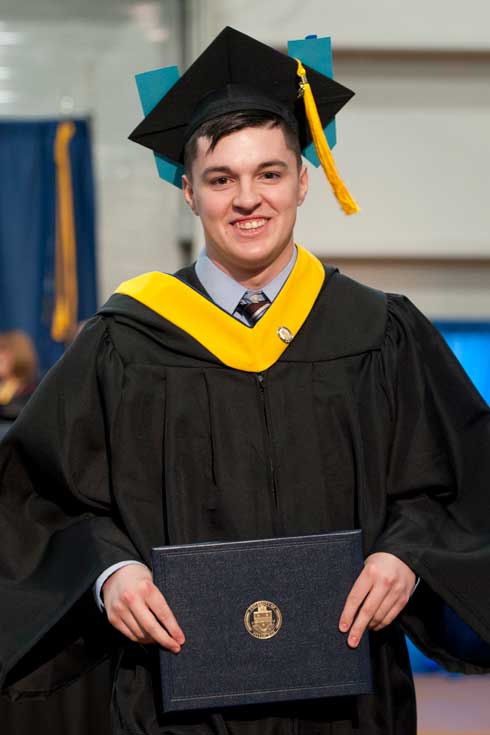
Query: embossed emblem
[(263, 619), (285, 334)]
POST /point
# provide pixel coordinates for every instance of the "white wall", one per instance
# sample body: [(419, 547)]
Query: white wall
[(414, 148), (358, 23)]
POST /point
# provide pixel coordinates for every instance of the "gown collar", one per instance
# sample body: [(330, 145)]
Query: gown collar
[(234, 343)]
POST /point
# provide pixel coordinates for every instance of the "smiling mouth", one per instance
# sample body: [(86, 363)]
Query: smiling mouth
[(250, 224)]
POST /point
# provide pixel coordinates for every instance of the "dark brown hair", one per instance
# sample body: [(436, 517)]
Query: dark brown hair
[(219, 127)]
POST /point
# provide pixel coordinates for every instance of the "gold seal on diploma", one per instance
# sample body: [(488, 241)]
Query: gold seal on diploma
[(263, 619)]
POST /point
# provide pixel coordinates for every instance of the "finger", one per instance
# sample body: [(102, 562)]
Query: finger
[(366, 613), (119, 614), (121, 626), (357, 595), (388, 603), (390, 616), (152, 628), (140, 637), (126, 631), (129, 620), (162, 611)]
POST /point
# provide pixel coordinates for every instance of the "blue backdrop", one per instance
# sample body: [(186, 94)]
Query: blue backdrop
[(27, 228), (470, 342)]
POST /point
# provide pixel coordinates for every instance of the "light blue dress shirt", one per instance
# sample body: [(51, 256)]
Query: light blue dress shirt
[(226, 293)]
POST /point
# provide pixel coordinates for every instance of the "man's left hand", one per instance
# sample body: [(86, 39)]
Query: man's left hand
[(379, 594)]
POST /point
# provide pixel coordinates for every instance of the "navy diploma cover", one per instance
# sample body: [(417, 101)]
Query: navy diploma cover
[(261, 620)]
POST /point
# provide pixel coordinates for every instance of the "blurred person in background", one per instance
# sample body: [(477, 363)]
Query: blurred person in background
[(18, 372)]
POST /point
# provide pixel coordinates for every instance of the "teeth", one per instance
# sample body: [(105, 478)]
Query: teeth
[(251, 224)]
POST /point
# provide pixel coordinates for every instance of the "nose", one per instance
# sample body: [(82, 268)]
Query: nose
[(247, 197)]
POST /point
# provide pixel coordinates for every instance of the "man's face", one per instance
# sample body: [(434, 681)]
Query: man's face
[(246, 192)]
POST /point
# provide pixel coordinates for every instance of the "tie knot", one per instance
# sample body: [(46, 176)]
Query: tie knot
[(253, 305), (255, 297)]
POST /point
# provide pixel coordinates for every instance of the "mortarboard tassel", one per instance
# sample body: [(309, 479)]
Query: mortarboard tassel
[(340, 190)]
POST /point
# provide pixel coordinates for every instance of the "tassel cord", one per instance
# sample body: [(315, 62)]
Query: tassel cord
[(346, 201)]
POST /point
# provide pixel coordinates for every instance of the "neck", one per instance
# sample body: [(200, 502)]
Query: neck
[(255, 277)]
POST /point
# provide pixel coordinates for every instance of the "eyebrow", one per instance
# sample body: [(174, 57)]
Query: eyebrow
[(228, 170)]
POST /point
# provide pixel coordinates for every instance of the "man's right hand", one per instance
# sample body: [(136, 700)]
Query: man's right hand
[(137, 608)]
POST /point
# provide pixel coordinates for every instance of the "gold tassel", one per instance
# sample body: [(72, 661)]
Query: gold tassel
[(65, 313), (340, 190)]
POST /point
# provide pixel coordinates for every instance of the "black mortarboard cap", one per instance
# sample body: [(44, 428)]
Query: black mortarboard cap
[(268, 79)]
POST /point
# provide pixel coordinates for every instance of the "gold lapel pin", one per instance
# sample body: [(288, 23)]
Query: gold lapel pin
[(285, 334)]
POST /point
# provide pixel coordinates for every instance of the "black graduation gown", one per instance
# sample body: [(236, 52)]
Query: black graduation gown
[(141, 436)]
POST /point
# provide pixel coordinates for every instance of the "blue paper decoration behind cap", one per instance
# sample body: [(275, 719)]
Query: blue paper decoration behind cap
[(152, 87), (317, 53)]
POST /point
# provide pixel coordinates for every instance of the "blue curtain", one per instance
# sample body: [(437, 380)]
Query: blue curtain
[(27, 228), (470, 342)]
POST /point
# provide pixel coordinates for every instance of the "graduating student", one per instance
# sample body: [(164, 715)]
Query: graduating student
[(254, 394)]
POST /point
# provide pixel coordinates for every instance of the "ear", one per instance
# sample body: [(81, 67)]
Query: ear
[(188, 192), (302, 185)]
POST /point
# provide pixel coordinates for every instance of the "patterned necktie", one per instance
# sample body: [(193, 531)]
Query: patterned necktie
[(253, 305)]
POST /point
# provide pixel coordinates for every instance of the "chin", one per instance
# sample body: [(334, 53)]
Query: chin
[(259, 256)]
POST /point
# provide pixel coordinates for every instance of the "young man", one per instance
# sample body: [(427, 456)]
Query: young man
[(246, 186), (253, 394)]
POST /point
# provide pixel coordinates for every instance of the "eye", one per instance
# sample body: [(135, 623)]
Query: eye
[(220, 181), (271, 175)]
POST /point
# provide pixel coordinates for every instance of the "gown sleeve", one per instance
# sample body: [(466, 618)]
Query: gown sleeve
[(438, 491), (59, 529)]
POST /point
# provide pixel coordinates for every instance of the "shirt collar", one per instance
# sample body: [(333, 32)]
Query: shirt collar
[(226, 292)]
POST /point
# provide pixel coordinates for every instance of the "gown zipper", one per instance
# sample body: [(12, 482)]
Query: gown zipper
[(267, 423)]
